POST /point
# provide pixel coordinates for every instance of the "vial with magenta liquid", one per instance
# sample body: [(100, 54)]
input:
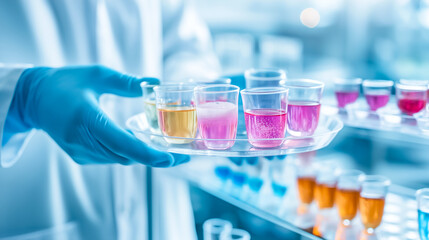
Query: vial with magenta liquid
[(377, 93), (347, 91), (303, 106), (411, 98)]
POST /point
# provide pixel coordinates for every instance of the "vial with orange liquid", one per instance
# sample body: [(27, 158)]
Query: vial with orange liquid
[(347, 194), (371, 201)]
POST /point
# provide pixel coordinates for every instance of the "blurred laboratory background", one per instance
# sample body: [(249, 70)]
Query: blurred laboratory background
[(328, 39), (324, 40)]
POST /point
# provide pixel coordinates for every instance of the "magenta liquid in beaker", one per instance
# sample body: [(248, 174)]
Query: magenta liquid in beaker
[(265, 124)]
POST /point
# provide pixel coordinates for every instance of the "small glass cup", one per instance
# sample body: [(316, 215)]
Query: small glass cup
[(303, 106), (377, 93), (177, 116), (265, 115), (416, 82), (216, 229), (149, 105), (411, 98), (264, 77), (217, 114), (237, 234), (371, 201), (347, 194), (347, 91), (326, 181), (422, 196)]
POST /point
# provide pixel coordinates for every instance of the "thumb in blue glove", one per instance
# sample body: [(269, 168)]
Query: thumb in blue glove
[(64, 103)]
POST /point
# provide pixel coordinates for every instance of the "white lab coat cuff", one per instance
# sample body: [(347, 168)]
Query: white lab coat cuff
[(9, 76)]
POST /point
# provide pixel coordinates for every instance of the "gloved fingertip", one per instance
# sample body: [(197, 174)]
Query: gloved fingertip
[(270, 157), (162, 160), (180, 159), (282, 157)]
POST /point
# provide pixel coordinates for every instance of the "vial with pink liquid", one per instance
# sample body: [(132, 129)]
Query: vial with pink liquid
[(377, 93), (217, 114), (419, 83), (347, 91), (265, 115), (411, 97), (303, 106)]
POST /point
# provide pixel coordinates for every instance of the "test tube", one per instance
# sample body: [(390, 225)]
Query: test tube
[(347, 91), (216, 229), (372, 200), (217, 113), (303, 106), (377, 93), (265, 115), (422, 196), (177, 116), (411, 98), (264, 77), (347, 194), (149, 105)]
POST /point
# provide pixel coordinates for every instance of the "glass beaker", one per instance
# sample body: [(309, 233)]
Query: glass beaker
[(303, 106), (177, 116), (217, 114), (265, 115), (264, 77), (149, 105)]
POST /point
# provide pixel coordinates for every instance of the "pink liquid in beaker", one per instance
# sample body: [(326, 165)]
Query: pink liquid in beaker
[(411, 106), (265, 124), (303, 118), (344, 98), (217, 120), (376, 101)]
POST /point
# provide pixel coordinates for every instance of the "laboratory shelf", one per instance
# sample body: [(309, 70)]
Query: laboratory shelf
[(389, 120), (327, 129), (399, 220)]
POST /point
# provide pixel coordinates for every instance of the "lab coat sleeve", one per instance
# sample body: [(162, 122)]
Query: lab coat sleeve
[(187, 45), (11, 147)]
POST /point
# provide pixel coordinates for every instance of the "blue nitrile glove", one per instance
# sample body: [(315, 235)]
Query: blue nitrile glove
[(64, 102)]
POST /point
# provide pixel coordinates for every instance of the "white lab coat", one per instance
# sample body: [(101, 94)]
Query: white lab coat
[(45, 194)]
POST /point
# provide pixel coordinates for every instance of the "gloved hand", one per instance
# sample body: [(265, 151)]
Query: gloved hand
[(64, 103)]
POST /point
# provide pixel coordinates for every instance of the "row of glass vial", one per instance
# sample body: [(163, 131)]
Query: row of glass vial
[(350, 190), (412, 95), (176, 108)]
